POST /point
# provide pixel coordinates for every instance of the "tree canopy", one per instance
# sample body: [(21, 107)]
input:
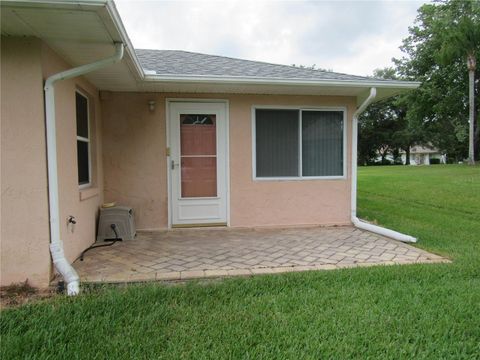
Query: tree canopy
[(435, 53)]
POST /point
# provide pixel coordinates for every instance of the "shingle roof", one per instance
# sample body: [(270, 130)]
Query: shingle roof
[(177, 62)]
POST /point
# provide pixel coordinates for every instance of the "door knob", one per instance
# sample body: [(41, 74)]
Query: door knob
[(173, 164)]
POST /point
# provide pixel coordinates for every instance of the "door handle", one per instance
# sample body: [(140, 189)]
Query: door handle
[(173, 164)]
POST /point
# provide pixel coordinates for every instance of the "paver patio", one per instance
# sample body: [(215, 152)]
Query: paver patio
[(198, 253)]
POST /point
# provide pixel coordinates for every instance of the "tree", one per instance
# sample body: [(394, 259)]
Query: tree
[(462, 40), (384, 128), (435, 51)]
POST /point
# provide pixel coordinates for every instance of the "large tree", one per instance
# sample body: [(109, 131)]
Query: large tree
[(444, 36), (461, 40)]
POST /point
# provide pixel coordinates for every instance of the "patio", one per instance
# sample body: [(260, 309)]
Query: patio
[(219, 252)]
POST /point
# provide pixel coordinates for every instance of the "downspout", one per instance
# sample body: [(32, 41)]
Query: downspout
[(355, 220), (56, 245)]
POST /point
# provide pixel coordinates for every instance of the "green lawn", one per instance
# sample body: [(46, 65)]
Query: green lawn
[(395, 312)]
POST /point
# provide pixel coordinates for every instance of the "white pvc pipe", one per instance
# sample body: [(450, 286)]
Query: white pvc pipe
[(56, 245), (355, 220)]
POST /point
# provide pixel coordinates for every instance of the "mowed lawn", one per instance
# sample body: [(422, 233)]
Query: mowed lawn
[(387, 312)]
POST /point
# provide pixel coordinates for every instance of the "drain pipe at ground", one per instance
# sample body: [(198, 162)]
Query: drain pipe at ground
[(56, 245), (355, 220)]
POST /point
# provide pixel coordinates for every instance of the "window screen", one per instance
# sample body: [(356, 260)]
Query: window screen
[(83, 139), (322, 143), (281, 134), (277, 142)]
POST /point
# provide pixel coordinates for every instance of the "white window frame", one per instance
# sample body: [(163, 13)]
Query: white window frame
[(300, 110), (87, 140)]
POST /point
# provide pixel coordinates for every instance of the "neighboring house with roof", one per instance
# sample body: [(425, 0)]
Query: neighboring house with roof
[(421, 155), (185, 139)]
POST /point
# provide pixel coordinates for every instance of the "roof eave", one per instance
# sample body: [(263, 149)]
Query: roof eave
[(401, 85), (118, 24)]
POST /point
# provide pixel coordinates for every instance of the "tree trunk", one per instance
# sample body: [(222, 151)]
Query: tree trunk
[(471, 63), (407, 155)]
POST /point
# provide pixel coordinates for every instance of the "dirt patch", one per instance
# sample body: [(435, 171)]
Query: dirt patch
[(22, 293)]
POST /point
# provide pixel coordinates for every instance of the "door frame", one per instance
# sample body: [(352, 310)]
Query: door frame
[(224, 102)]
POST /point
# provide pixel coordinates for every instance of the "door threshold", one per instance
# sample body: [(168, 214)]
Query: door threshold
[(202, 225)]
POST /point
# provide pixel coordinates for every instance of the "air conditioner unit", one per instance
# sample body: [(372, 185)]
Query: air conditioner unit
[(117, 219)]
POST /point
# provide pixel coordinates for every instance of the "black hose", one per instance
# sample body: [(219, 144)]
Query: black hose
[(110, 242)]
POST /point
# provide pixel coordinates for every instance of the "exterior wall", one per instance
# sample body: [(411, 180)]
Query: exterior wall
[(24, 205), (135, 165), (25, 63)]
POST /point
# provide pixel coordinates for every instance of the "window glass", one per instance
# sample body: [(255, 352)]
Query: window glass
[(83, 139), (280, 133), (322, 143), (82, 115), (198, 155), (83, 162), (277, 142)]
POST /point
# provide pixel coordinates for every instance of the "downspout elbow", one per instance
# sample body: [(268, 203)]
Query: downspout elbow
[(382, 231), (85, 69)]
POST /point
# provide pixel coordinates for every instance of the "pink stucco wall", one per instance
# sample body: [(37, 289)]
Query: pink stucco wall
[(24, 206), (25, 63), (134, 142)]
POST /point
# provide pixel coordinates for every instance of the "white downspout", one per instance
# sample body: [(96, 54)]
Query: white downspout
[(56, 245), (355, 220)]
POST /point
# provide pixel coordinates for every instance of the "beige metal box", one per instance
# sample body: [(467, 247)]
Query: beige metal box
[(121, 217)]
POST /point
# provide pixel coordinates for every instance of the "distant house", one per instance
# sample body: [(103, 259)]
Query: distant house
[(422, 155)]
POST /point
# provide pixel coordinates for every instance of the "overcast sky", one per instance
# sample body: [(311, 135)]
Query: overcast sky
[(352, 37)]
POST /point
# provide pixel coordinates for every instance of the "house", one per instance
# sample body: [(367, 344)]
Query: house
[(421, 155), (185, 139)]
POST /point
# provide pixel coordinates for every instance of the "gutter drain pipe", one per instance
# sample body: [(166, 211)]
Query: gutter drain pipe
[(355, 220), (56, 245)]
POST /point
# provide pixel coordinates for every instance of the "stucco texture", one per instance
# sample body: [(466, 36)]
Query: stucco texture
[(25, 63), (135, 172), (24, 205)]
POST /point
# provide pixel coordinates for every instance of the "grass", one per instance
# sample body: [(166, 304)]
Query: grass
[(395, 312)]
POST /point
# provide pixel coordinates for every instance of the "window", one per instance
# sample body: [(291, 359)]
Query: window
[(83, 140), (296, 143)]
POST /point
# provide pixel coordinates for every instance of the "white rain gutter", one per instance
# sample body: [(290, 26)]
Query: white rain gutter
[(355, 220), (256, 80), (56, 245)]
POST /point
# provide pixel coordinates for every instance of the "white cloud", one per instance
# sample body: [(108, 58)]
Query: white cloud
[(347, 36)]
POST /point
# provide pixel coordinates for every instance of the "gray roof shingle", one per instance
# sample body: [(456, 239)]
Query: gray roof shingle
[(178, 62)]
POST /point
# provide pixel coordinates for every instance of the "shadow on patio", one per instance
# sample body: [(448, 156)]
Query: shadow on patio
[(202, 253)]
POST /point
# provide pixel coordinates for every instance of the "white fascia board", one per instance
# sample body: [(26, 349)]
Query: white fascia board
[(280, 81), (65, 4), (117, 22)]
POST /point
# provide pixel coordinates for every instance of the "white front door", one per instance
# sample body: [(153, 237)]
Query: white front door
[(198, 163)]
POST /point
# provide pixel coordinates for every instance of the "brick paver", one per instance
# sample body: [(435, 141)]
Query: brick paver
[(198, 253)]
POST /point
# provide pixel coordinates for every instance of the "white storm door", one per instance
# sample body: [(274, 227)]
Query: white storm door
[(198, 163)]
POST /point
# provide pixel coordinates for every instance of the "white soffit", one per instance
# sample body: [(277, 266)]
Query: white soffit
[(80, 34)]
